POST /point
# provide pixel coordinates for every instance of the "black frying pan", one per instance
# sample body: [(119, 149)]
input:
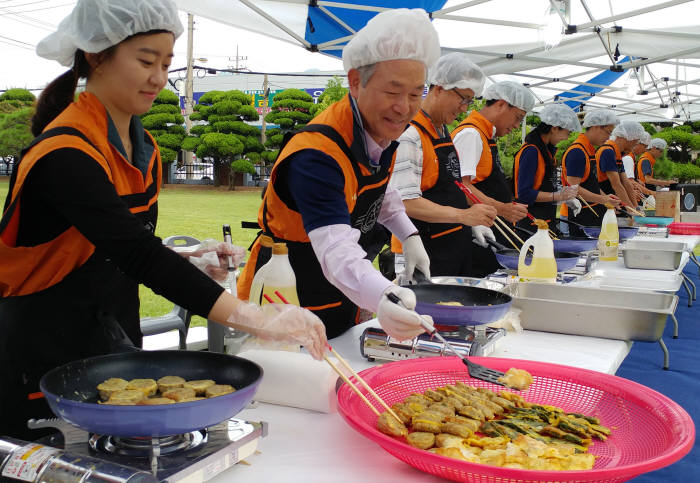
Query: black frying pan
[(479, 305), (71, 391)]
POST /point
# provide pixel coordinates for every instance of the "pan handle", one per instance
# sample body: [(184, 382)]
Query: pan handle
[(420, 277), (495, 244)]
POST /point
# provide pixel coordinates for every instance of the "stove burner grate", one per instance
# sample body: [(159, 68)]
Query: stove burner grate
[(146, 447)]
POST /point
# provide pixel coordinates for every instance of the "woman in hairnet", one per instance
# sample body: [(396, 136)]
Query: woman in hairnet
[(534, 167), (76, 236), (645, 166)]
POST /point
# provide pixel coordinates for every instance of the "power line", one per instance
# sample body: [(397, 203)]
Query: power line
[(36, 9), (15, 45), (18, 41)]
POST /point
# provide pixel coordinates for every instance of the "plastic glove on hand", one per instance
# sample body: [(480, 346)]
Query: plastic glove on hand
[(286, 324), (574, 205), (482, 233), (415, 255), (568, 193), (399, 322)]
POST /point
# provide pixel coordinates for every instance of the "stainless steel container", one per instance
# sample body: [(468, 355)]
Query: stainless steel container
[(469, 282), (594, 312), (652, 259), (655, 245)]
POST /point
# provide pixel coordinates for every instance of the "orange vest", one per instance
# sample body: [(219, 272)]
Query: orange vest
[(485, 129), (539, 174), (27, 270), (641, 177), (609, 144), (581, 142)]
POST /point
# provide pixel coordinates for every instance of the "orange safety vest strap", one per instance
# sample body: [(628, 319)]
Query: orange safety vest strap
[(539, 174)]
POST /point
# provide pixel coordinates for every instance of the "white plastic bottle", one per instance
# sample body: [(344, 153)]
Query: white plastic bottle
[(543, 266), (279, 278), (256, 285), (609, 237)]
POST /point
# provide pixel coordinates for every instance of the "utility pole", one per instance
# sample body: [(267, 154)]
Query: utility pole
[(236, 59), (189, 83), (266, 96)]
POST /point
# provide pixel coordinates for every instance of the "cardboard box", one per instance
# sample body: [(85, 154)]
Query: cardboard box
[(668, 204)]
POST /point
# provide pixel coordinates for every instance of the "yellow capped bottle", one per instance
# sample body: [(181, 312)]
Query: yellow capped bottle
[(259, 278), (609, 237), (543, 266), (279, 278)]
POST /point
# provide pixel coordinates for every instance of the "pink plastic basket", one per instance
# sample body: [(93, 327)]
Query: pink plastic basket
[(649, 431)]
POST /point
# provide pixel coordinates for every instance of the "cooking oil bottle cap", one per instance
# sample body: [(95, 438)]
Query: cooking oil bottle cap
[(266, 241), (280, 249), (541, 224), (609, 206)]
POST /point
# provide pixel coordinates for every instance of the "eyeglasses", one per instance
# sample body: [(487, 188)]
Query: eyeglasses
[(610, 131), (466, 101)]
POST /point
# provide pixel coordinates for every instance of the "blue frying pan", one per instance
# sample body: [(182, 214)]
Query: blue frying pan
[(71, 391)]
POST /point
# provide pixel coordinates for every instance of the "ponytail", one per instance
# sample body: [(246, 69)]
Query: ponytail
[(59, 94)]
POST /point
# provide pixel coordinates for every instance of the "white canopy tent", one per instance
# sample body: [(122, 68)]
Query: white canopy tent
[(634, 56)]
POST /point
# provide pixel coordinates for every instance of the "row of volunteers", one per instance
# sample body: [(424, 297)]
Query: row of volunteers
[(77, 231)]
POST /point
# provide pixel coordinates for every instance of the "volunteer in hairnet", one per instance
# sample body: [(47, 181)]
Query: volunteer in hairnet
[(76, 236), (611, 171), (507, 104), (534, 166), (328, 186), (427, 167), (645, 165), (578, 167)]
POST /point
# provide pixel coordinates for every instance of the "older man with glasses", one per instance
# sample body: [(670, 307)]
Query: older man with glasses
[(427, 167)]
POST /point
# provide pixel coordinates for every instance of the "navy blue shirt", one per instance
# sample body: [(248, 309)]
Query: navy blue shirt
[(576, 161), (608, 162), (646, 166), (526, 175)]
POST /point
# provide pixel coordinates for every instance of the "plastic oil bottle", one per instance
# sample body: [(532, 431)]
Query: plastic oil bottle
[(279, 278), (543, 266), (258, 280), (609, 237)]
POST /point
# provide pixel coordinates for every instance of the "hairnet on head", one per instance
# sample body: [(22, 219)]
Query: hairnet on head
[(517, 95), (629, 130), (645, 139), (397, 34), (95, 25), (600, 117), (658, 143), (560, 115), (456, 71)]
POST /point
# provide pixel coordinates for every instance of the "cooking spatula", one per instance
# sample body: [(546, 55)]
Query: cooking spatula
[(477, 371)]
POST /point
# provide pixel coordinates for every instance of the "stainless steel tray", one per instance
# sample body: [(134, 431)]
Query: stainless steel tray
[(469, 282), (652, 259), (655, 245), (594, 312)]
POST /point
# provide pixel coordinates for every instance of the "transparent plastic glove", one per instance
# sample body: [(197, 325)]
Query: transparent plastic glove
[(574, 205), (650, 201), (415, 255), (212, 257), (482, 233), (399, 322), (567, 193), (285, 324)]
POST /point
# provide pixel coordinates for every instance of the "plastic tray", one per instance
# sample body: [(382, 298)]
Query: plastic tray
[(684, 229), (653, 220), (649, 430)]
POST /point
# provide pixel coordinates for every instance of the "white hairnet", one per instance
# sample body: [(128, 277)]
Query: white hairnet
[(95, 25), (629, 130), (560, 115), (517, 95), (645, 139), (658, 143), (398, 34), (600, 117), (456, 71)]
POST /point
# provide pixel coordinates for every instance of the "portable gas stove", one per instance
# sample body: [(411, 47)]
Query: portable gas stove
[(78, 456), (467, 340)]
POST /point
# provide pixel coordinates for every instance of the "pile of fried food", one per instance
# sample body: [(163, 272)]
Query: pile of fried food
[(480, 426), (166, 390)]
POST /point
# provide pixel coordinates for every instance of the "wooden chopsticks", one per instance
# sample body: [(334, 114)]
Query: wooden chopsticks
[(588, 206), (342, 374), (552, 235), (632, 210)]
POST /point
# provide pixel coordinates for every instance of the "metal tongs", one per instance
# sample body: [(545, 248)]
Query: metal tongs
[(477, 371)]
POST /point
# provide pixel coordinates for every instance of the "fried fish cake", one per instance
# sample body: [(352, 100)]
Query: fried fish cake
[(421, 440), (200, 386), (167, 383), (147, 386), (154, 401), (127, 397), (110, 386), (179, 393), (218, 390), (190, 399), (388, 424)]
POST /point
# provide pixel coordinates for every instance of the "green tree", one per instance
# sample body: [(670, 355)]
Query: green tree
[(164, 122), (681, 142), (290, 109), (223, 135), (15, 132), (333, 92)]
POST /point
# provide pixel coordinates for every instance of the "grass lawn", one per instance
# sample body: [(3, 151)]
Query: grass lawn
[(195, 211)]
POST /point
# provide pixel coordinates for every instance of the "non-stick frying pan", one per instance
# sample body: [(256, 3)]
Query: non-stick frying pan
[(71, 391), (625, 232), (479, 305), (509, 258), (574, 244)]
